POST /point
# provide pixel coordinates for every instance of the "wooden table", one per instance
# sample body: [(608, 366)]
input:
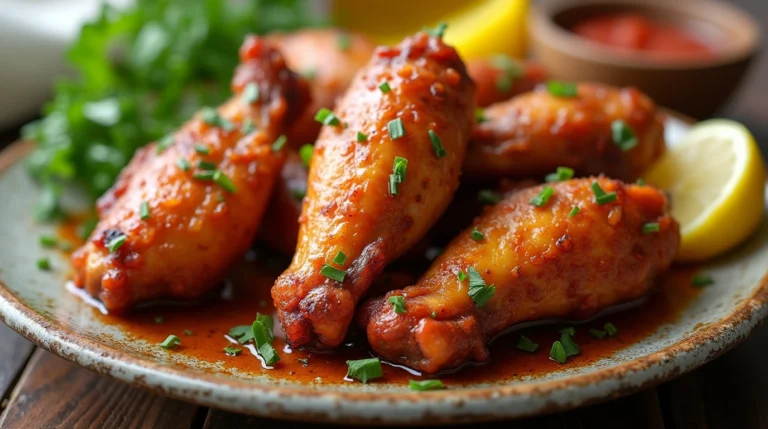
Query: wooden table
[(40, 390)]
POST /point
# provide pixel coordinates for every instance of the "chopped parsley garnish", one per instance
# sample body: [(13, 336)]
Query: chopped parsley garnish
[(557, 353), (164, 143), (398, 304), (187, 332), (510, 70), (384, 87), (478, 290), (48, 241), (437, 144), (438, 31), (423, 385), (623, 135), (305, 153), (526, 344), (611, 329), (640, 182), (183, 164), (601, 197), (333, 273), (562, 89), (44, 264), (224, 181), (171, 342), (480, 115), (361, 137), (343, 41), (262, 335), (326, 117), (144, 213), (598, 333), (210, 116), (487, 196), (251, 93), (232, 350), (206, 165), (543, 197), (702, 280), (574, 211), (248, 126), (116, 243), (461, 275), (364, 369), (398, 174), (651, 227), (242, 333), (279, 143), (340, 258), (395, 128), (476, 234), (561, 174)]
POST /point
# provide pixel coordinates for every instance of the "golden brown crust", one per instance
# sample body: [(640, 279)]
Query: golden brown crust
[(280, 227), (501, 78), (544, 264), (196, 227), (534, 133), (349, 207)]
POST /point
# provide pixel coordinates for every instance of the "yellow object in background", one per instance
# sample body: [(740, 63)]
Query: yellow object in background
[(716, 181), (478, 28)]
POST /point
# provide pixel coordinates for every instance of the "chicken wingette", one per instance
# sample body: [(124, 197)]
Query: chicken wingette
[(384, 169), (591, 244), (187, 206), (596, 129), (280, 226), (500, 78)]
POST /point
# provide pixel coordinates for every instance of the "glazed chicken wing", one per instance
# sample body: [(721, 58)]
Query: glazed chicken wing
[(384, 168), (280, 226), (532, 134), (544, 262), (187, 206), (500, 78)]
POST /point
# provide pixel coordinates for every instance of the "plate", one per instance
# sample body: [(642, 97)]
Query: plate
[(37, 305)]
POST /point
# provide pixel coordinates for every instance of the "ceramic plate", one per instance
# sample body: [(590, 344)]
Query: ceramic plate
[(37, 305)]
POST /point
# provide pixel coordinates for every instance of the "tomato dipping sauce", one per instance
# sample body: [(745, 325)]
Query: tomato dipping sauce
[(636, 32)]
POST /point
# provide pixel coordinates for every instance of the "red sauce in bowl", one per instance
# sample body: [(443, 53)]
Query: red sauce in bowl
[(636, 32)]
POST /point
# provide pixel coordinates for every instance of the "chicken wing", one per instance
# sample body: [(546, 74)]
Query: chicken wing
[(280, 226), (384, 168), (532, 134), (328, 59), (188, 205), (528, 263), (500, 78)]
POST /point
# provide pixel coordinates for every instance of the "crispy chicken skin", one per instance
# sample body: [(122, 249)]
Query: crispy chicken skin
[(280, 226), (534, 133), (544, 264), (349, 207), (196, 227), (329, 60), (500, 78)]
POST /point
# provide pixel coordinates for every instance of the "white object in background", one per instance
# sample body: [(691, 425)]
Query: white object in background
[(34, 36)]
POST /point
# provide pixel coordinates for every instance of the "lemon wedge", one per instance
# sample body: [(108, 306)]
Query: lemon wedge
[(715, 178), (478, 28)]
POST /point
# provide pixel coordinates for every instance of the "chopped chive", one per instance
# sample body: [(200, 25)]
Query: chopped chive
[(433, 314), (384, 87), (164, 143), (251, 93), (248, 126), (116, 243), (487, 196), (224, 181), (305, 153), (702, 281), (480, 115), (598, 333), (623, 135), (601, 197), (543, 197), (504, 83), (507, 65), (557, 353), (171, 342), (611, 329), (398, 304), (44, 264), (298, 194), (206, 165), (476, 234), (574, 211), (397, 177), (343, 41), (361, 137), (159, 319), (561, 174), (438, 31), (220, 198), (85, 229), (183, 164), (478, 290), (340, 258), (309, 73), (326, 117), (279, 143), (571, 349), (396, 128), (461, 275), (333, 273), (232, 350), (651, 227), (144, 210), (48, 241), (525, 344), (437, 144), (187, 332), (204, 175), (570, 330), (424, 385), (640, 182), (211, 117), (562, 89), (364, 369)]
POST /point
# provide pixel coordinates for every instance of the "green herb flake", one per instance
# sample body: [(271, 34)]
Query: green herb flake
[(164, 143), (206, 165), (343, 41), (557, 353), (574, 211), (326, 117), (44, 264), (210, 116), (205, 175), (526, 344), (232, 350), (437, 144), (611, 329), (569, 345), (651, 228), (305, 153), (384, 87), (397, 177), (303, 361), (364, 369), (480, 115), (361, 137), (424, 385), (188, 333), (398, 304), (478, 290), (640, 182), (433, 314), (476, 234), (159, 320), (601, 197), (263, 337), (461, 275), (438, 31), (279, 143), (396, 129), (309, 73), (598, 333), (702, 280), (562, 89), (241, 333), (171, 342), (183, 164), (570, 330), (144, 213), (48, 241), (224, 181), (248, 126), (560, 175), (543, 197), (251, 93), (340, 258), (623, 135), (116, 243), (333, 273), (487, 196)]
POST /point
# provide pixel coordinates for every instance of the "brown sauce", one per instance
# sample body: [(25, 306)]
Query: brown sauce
[(248, 292)]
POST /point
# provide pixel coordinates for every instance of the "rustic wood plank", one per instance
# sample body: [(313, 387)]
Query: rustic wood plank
[(54, 393), (14, 354)]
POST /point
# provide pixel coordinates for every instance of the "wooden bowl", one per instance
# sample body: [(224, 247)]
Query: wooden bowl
[(693, 86)]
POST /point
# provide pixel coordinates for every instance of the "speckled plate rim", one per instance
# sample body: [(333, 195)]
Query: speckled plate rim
[(439, 407)]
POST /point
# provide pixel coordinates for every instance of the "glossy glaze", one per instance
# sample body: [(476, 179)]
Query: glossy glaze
[(500, 78)]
